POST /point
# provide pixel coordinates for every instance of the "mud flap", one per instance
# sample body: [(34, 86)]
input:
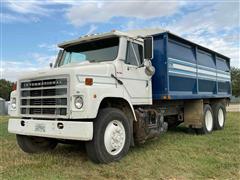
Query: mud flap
[(193, 113)]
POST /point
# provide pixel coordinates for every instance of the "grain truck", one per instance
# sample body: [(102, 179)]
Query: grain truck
[(118, 89)]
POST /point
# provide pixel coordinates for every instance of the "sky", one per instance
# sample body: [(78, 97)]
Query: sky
[(31, 30)]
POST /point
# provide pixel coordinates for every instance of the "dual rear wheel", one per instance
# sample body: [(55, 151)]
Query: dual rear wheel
[(213, 118), (219, 113)]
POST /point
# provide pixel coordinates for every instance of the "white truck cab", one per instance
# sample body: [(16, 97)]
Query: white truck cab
[(93, 73)]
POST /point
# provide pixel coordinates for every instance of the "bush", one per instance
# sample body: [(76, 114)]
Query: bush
[(5, 89)]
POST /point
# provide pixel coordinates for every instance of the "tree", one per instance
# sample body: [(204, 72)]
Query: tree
[(5, 89), (235, 76)]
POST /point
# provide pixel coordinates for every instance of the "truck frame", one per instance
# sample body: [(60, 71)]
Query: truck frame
[(118, 89)]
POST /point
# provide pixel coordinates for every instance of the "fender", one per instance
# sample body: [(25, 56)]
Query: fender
[(109, 93), (122, 99)]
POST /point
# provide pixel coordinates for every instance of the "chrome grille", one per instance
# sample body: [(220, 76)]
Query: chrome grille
[(45, 97)]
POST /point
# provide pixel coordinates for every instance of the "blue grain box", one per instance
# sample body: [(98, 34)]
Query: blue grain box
[(185, 70)]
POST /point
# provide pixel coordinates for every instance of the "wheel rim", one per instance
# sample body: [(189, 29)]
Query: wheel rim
[(220, 117), (114, 137), (209, 120)]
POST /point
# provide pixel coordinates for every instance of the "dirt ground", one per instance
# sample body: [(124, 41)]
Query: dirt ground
[(233, 108)]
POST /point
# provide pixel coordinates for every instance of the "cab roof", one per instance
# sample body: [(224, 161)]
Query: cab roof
[(113, 33)]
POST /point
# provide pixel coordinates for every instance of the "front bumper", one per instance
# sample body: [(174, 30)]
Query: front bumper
[(73, 130)]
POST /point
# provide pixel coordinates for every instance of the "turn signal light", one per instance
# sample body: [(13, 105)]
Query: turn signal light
[(89, 81)]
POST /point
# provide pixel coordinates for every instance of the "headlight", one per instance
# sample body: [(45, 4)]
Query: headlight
[(78, 102), (13, 103)]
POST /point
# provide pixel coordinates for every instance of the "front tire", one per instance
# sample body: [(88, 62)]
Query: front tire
[(219, 114), (31, 144), (207, 125), (111, 139)]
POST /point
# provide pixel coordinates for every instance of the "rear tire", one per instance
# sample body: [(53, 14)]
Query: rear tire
[(111, 138), (219, 115), (207, 125), (31, 144)]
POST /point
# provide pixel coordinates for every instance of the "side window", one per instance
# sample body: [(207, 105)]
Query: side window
[(134, 54)]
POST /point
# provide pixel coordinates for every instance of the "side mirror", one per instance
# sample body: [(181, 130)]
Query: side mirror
[(148, 47), (50, 65)]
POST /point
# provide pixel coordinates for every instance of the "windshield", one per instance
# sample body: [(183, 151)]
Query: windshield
[(94, 51)]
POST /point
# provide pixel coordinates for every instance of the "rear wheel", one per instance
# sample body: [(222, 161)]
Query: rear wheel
[(219, 114), (111, 139), (31, 144), (207, 125)]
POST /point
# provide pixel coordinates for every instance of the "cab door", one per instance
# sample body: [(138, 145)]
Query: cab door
[(135, 81)]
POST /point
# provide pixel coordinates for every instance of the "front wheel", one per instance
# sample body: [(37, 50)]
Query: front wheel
[(111, 139), (32, 144)]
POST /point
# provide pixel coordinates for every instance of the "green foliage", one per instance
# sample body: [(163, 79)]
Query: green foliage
[(235, 75), (5, 89)]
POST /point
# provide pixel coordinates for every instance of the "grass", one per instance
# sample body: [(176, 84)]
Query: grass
[(177, 154)]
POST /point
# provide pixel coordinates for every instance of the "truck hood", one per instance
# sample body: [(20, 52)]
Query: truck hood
[(89, 69)]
